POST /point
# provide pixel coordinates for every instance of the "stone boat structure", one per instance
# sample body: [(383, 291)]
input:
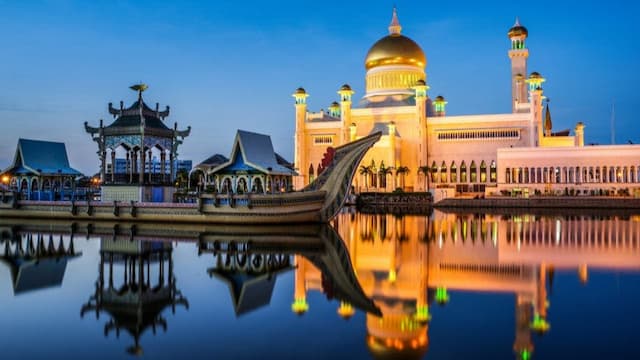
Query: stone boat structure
[(319, 202)]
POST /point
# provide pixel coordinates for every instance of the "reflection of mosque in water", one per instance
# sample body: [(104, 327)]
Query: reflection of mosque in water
[(139, 286), (405, 264)]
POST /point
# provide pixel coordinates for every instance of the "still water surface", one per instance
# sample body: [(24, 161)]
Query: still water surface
[(443, 286)]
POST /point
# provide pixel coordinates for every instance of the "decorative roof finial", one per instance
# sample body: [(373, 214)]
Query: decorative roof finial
[(139, 88), (394, 27), (517, 21), (547, 118)]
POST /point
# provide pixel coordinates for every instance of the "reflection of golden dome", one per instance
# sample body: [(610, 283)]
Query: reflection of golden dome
[(396, 349), (395, 49)]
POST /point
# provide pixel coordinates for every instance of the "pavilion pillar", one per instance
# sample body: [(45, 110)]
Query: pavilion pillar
[(151, 167), (103, 165), (172, 174), (129, 166), (142, 166), (134, 164), (113, 166), (163, 158)]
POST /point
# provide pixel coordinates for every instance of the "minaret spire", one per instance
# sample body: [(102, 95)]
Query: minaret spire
[(517, 23), (547, 121), (394, 27)]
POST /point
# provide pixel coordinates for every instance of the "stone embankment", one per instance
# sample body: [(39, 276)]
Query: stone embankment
[(564, 202)]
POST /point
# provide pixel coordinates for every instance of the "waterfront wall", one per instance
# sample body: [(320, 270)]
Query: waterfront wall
[(576, 202)]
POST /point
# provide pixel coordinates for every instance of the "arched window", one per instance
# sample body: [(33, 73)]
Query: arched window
[(493, 175), (454, 172), (311, 174), (507, 175), (483, 172), (463, 172), (226, 185), (257, 186), (473, 172), (443, 172), (434, 172)]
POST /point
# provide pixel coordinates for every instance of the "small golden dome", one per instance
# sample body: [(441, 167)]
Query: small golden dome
[(439, 98), (334, 105), (535, 75), (345, 87), (518, 30), (421, 82), (395, 49), (301, 90)]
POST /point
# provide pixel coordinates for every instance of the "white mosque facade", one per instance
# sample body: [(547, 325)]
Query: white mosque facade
[(424, 149)]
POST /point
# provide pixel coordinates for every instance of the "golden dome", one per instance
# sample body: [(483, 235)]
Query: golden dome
[(518, 30), (395, 49)]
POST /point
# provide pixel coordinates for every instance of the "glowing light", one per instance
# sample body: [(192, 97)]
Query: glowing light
[(422, 313), (442, 297), (300, 306), (392, 275), (5, 179), (525, 354), (539, 324)]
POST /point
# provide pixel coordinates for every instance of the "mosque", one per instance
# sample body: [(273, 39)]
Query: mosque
[(424, 149)]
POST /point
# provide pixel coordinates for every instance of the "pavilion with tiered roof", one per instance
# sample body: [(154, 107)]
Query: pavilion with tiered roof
[(141, 131)]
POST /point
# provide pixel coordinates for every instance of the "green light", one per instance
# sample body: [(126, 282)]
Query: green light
[(422, 313), (442, 297), (299, 306), (525, 354), (539, 324)]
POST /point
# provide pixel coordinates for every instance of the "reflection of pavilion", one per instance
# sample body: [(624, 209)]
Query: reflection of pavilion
[(139, 286), (403, 263), (251, 276), (35, 262)]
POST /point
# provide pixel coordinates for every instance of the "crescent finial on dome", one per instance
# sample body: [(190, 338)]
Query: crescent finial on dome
[(395, 27)]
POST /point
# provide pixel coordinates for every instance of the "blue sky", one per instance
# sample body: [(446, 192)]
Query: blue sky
[(228, 65)]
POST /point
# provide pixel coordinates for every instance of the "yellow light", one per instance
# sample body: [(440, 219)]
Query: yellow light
[(5, 179)]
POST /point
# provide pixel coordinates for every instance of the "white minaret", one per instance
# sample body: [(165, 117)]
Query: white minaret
[(518, 55)]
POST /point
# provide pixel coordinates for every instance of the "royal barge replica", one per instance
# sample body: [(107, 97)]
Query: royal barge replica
[(319, 202)]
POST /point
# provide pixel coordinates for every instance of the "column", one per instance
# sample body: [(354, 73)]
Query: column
[(113, 165), (103, 164), (151, 167), (142, 166), (163, 168)]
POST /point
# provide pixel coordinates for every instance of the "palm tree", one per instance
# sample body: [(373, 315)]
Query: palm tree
[(384, 171), (365, 171), (402, 171), (425, 170)]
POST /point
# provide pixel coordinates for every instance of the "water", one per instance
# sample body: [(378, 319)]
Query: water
[(443, 286)]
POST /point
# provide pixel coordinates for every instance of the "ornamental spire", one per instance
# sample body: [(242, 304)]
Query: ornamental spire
[(547, 120), (517, 22), (394, 27)]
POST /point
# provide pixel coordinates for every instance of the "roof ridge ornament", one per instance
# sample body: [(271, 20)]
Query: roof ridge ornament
[(140, 88), (395, 28)]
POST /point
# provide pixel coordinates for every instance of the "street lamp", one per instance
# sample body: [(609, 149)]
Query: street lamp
[(5, 179)]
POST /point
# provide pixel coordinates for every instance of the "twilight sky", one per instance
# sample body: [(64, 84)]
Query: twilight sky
[(228, 65)]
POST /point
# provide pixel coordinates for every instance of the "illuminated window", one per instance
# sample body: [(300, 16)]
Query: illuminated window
[(463, 172), (478, 134)]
